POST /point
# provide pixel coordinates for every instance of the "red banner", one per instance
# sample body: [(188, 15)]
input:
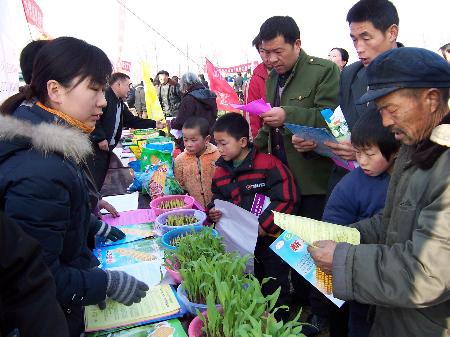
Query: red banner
[(225, 93), (126, 66), (240, 68), (33, 14)]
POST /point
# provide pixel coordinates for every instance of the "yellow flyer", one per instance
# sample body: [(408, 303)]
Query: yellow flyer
[(159, 302), (310, 230)]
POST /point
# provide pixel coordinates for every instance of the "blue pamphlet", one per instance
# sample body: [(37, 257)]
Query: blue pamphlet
[(295, 252), (320, 136)]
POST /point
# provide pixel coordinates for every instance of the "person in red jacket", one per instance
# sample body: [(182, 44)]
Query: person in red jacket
[(257, 88), (241, 173)]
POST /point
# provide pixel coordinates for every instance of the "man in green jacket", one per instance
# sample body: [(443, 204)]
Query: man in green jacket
[(298, 88), (402, 265)]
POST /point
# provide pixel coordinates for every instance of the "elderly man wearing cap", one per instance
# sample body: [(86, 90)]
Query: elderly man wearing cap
[(402, 265)]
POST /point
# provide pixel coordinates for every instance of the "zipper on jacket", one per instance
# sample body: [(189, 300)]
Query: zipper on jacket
[(199, 167)]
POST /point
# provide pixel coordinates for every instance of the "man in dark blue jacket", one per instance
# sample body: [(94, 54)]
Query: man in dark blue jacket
[(108, 129), (374, 30)]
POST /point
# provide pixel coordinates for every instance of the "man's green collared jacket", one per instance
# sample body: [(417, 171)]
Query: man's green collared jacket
[(312, 86)]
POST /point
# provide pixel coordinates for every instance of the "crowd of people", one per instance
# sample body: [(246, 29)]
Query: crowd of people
[(56, 140)]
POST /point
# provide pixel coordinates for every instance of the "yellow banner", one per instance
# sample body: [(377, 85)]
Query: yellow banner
[(154, 110)]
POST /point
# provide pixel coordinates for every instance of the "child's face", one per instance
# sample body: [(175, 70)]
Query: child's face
[(193, 141), (372, 161), (229, 147)]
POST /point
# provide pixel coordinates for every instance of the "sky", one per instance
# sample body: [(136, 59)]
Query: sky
[(222, 31)]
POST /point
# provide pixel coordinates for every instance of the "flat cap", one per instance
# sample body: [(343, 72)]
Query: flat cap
[(405, 68)]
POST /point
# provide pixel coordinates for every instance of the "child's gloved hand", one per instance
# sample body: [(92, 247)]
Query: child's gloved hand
[(108, 232), (214, 215), (124, 288)]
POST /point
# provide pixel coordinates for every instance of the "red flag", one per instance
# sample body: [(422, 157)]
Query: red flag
[(33, 14), (225, 93)]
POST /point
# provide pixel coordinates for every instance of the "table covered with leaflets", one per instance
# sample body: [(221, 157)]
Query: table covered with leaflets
[(166, 244)]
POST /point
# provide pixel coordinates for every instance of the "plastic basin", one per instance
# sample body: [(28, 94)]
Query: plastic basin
[(154, 204), (161, 219), (182, 231)]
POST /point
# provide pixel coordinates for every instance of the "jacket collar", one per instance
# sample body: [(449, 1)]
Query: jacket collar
[(246, 165), (210, 148), (37, 129), (441, 135)]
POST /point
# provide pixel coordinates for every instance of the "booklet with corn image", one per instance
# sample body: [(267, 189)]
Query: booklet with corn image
[(292, 247), (133, 232)]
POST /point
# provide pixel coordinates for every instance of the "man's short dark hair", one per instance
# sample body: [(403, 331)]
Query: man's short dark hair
[(257, 42), (233, 124), (280, 26), (197, 123), (343, 52), (443, 49), (381, 13), (27, 56), (162, 72), (117, 77), (369, 131)]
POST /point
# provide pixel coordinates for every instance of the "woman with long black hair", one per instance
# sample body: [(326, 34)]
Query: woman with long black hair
[(44, 143)]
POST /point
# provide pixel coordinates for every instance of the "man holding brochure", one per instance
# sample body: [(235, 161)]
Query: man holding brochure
[(298, 88), (374, 27), (401, 266)]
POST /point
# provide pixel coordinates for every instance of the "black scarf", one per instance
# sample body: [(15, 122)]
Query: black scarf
[(428, 152)]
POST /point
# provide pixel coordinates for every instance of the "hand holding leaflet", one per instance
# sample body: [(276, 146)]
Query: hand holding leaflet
[(256, 107), (320, 136), (292, 247)]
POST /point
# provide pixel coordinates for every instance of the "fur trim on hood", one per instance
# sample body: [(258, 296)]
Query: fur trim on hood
[(47, 137)]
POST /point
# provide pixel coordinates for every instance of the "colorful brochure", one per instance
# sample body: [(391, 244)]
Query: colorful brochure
[(337, 123), (320, 136), (294, 251), (128, 253), (159, 303), (132, 232), (292, 245), (171, 328)]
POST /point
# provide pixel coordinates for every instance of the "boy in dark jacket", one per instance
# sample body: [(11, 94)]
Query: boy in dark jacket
[(241, 172), (362, 193)]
